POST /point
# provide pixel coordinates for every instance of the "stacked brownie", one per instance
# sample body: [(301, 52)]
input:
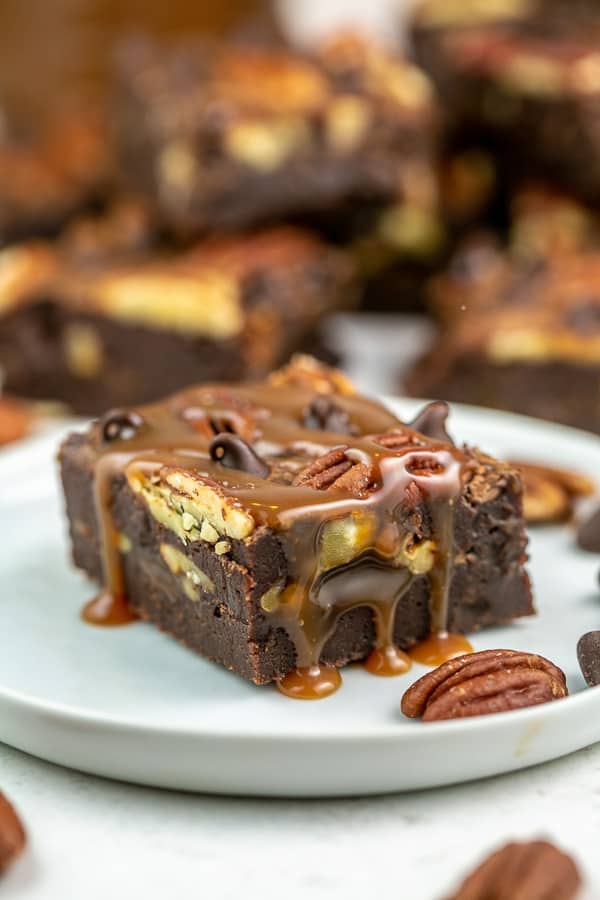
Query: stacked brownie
[(341, 139), (518, 335), (287, 528), (99, 332), (254, 190), (522, 77), (518, 306)]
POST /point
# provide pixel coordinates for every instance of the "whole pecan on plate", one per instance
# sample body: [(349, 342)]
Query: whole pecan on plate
[(12, 834), (478, 684), (535, 870)]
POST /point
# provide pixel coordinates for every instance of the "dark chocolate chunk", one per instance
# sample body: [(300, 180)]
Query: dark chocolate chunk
[(120, 425), (431, 421), (588, 533), (234, 453), (588, 654), (324, 415)]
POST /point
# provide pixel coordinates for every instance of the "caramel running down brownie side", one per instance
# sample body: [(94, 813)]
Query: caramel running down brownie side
[(287, 528), (105, 333), (222, 136), (518, 336)]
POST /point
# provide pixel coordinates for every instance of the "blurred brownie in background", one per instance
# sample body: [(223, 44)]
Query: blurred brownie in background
[(47, 178), (522, 335), (96, 333), (221, 136), (525, 77)]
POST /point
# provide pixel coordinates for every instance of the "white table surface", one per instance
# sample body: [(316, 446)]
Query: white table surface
[(92, 839)]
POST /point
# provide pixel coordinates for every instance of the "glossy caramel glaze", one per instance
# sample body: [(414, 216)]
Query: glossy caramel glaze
[(438, 648), (398, 467)]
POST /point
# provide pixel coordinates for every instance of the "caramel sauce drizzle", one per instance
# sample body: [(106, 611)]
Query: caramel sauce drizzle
[(176, 435)]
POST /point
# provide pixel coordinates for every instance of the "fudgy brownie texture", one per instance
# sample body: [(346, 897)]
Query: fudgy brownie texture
[(92, 328), (515, 75), (308, 526), (222, 136), (518, 335)]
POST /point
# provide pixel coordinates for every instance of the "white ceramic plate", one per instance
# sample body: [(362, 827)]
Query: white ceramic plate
[(132, 704)]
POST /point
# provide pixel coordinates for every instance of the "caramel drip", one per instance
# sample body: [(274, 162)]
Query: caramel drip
[(176, 436), (314, 683), (439, 648), (108, 608)]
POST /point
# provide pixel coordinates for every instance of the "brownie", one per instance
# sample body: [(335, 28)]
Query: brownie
[(518, 335), (47, 178), (222, 136), (515, 76), (302, 526), (93, 333)]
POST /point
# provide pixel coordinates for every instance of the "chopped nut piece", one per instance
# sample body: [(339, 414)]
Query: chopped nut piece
[(222, 547), (266, 145), (83, 350), (308, 372), (188, 522), (347, 123), (180, 564)]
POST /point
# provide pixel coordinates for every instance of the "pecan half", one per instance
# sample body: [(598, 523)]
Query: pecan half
[(337, 470), (536, 870), (549, 494), (12, 834), (478, 684)]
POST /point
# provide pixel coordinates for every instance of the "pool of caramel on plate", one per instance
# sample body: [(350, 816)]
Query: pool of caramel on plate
[(178, 434)]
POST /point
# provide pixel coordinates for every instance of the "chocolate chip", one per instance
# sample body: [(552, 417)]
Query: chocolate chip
[(588, 654), (431, 421), (120, 425), (322, 414), (588, 533), (234, 453)]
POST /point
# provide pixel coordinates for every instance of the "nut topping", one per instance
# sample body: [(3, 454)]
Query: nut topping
[(478, 684), (337, 470), (536, 870), (306, 372), (12, 834)]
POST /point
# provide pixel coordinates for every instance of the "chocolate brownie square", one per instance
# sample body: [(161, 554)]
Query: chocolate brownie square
[(287, 528)]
